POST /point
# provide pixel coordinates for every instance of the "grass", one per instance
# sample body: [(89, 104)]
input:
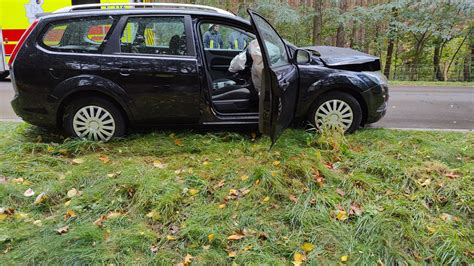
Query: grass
[(377, 196), (431, 83)]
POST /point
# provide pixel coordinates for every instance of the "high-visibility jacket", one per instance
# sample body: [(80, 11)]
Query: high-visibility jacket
[(213, 39), (237, 40)]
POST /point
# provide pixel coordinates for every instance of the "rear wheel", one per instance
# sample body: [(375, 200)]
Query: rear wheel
[(95, 119), (336, 110)]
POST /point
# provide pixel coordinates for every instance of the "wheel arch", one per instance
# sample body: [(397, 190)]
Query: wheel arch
[(68, 99)]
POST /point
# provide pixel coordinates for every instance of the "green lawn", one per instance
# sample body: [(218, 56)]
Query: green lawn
[(431, 83), (377, 196)]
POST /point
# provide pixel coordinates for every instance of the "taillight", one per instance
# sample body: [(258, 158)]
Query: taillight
[(20, 42)]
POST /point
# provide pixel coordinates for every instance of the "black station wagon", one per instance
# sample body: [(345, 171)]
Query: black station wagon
[(95, 70)]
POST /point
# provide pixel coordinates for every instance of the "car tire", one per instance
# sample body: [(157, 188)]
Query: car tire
[(337, 109), (95, 119)]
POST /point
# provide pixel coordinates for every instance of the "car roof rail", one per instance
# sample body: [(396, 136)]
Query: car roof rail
[(142, 5)]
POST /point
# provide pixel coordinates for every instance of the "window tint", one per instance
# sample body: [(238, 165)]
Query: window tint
[(79, 35), (154, 35), (276, 49), (215, 36)]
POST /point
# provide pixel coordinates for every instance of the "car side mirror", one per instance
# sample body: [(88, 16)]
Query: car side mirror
[(302, 57)]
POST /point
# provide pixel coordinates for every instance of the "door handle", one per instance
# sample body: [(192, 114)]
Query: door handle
[(124, 71)]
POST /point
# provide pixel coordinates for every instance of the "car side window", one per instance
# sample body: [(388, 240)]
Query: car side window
[(216, 36), (275, 47), (154, 35), (77, 35)]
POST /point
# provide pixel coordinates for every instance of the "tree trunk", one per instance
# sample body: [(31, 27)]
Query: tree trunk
[(388, 63), (340, 34), (446, 70), (317, 21), (436, 60)]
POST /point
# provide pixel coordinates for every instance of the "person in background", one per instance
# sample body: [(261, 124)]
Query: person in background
[(213, 38), (237, 40)]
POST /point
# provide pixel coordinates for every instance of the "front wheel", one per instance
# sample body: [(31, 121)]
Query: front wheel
[(336, 110), (94, 119)]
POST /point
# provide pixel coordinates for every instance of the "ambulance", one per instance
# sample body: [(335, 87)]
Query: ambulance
[(17, 15)]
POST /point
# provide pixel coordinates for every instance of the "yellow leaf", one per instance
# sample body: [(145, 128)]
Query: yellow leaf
[(232, 254), (154, 215), (78, 161), (38, 223), (341, 215), (222, 206), (244, 177), (41, 198), (276, 163), (69, 214), (193, 192), (18, 180), (344, 258), (431, 229), (187, 259), (159, 164), (210, 237), (170, 237), (274, 173), (67, 203), (21, 216), (266, 199), (307, 247), (205, 163), (298, 259), (3, 216)]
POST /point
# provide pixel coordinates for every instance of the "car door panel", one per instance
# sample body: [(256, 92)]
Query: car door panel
[(279, 90)]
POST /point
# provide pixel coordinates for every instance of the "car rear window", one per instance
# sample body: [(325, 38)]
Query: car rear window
[(77, 35)]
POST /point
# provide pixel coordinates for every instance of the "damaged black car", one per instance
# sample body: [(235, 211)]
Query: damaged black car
[(96, 71)]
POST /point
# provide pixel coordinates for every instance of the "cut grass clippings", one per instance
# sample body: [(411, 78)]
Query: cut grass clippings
[(377, 196)]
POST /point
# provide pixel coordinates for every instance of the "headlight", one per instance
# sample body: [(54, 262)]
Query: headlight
[(377, 77)]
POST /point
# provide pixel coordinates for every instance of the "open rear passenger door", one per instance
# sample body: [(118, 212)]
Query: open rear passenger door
[(279, 88)]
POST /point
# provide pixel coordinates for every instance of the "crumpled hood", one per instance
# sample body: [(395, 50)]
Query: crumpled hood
[(346, 58)]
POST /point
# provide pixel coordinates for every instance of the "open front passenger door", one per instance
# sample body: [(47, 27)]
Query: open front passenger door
[(279, 88)]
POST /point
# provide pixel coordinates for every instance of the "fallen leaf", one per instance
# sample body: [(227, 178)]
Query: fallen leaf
[(62, 230), (355, 209), (232, 254), (341, 215), (78, 161), (427, 182), (266, 199), (448, 217), (380, 262), (193, 192), (3, 216), (40, 198), (38, 223), (69, 214), (113, 175), (154, 215), (244, 177), (205, 163), (206, 247), (18, 180), (237, 236), (344, 258), (318, 178), (187, 259), (247, 248), (159, 164), (221, 206), (293, 198), (21, 216), (340, 192), (210, 237), (100, 221), (452, 175), (329, 165), (298, 259), (113, 215), (104, 158), (178, 142), (170, 237), (307, 247), (276, 163), (29, 192), (431, 229), (67, 203), (72, 193), (154, 248)]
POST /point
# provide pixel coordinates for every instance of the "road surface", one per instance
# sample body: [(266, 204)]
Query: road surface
[(423, 107)]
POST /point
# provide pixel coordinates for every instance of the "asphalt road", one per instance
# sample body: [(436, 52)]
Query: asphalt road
[(409, 107)]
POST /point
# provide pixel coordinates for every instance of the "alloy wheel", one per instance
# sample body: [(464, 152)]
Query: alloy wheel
[(334, 114), (94, 123)]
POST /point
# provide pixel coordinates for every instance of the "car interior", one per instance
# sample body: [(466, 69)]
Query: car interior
[(231, 92)]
